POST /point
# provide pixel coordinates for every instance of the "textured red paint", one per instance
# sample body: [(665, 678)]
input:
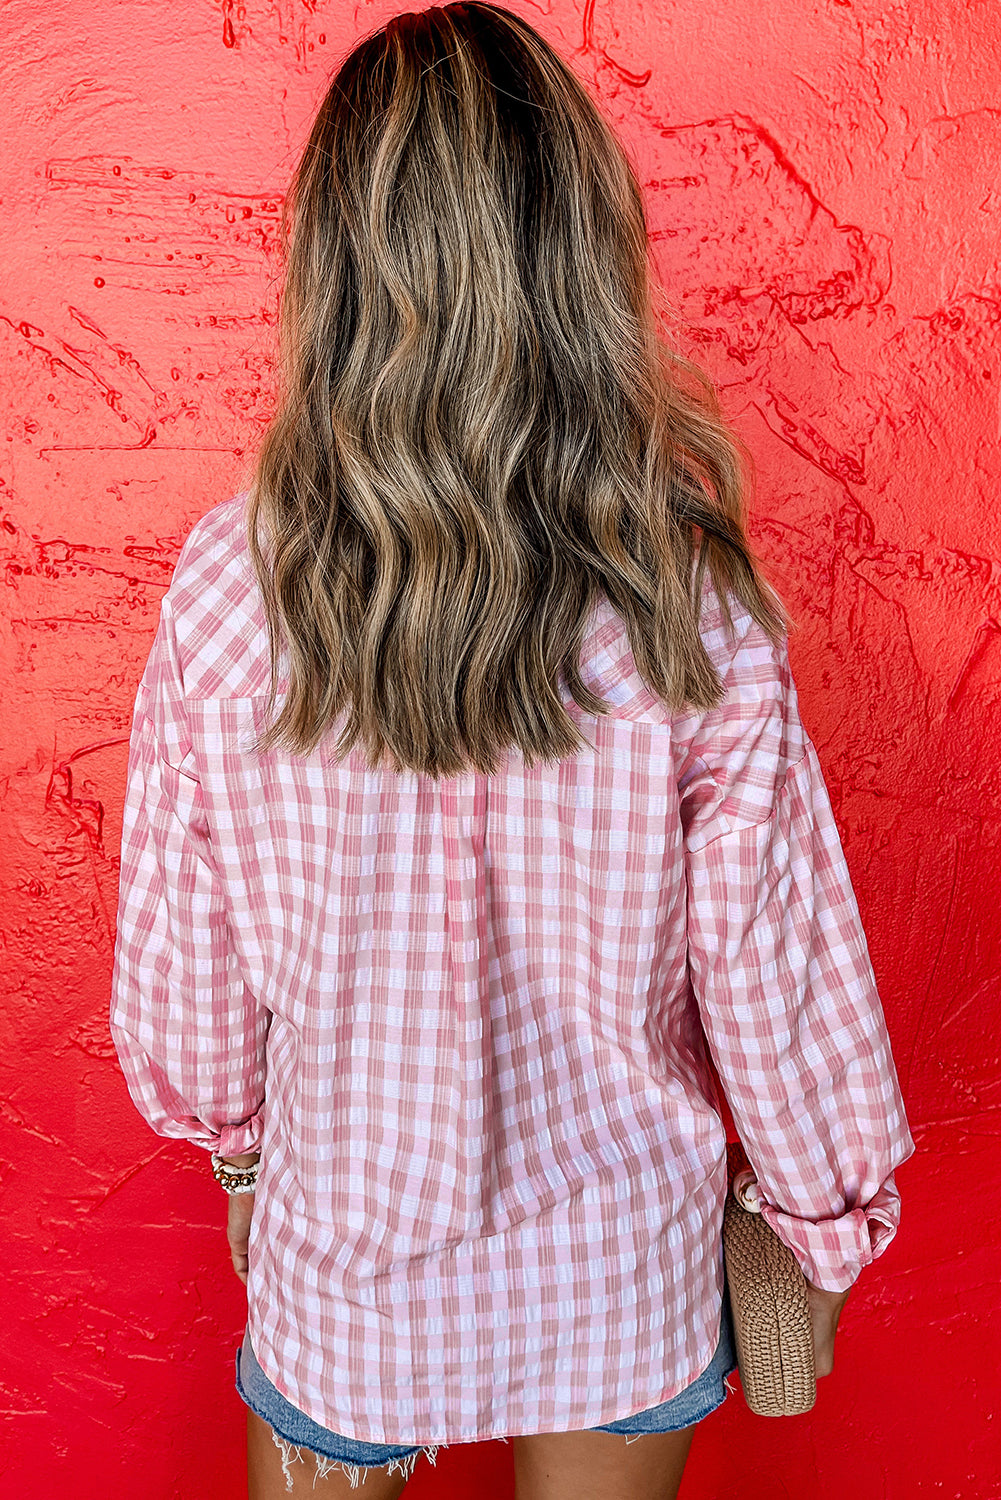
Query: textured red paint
[(823, 198)]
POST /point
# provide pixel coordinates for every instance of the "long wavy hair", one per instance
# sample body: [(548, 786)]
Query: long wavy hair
[(481, 427)]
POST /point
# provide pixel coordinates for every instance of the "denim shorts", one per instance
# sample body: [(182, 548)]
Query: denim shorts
[(291, 1429)]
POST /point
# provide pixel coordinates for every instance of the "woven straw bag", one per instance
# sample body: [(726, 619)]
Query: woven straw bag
[(771, 1315)]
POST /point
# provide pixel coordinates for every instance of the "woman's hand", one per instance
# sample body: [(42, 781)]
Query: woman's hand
[(241, 1211), (825, 1310)]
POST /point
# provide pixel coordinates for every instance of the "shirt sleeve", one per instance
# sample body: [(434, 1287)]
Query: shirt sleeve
[(189, 1033), (780, 968)]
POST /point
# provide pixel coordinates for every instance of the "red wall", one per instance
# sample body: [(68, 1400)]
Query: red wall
[(823, 191)]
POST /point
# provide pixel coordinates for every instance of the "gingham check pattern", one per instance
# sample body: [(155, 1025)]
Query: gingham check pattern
[(463, 1021)]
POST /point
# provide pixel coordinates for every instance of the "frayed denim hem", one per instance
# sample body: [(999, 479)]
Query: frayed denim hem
[(292, 1453)]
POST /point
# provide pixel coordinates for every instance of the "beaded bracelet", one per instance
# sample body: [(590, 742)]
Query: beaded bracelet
[(234, 1179)]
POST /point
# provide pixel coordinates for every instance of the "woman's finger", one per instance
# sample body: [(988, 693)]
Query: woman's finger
[(241, 1212)]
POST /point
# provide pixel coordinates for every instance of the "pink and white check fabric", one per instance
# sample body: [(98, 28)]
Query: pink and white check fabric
[(465, 1022)]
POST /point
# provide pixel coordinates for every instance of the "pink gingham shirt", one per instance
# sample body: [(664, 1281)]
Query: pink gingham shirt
[(463, 1022)]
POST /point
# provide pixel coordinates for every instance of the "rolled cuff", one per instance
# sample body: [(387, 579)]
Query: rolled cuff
[(240, 1140), (833, 1252)]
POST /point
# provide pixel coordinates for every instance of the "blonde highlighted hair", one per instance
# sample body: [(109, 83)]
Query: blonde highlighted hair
[(481, 428)]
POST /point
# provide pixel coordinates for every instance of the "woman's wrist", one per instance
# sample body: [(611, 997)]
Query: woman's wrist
[(246, 1160)]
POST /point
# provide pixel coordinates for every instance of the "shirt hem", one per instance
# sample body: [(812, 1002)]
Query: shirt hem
[(443, 1439)]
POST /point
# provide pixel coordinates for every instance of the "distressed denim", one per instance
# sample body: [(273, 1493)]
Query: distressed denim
[(292, 1430)]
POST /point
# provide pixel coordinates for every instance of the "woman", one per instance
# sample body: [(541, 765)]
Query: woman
[(442, 950)]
